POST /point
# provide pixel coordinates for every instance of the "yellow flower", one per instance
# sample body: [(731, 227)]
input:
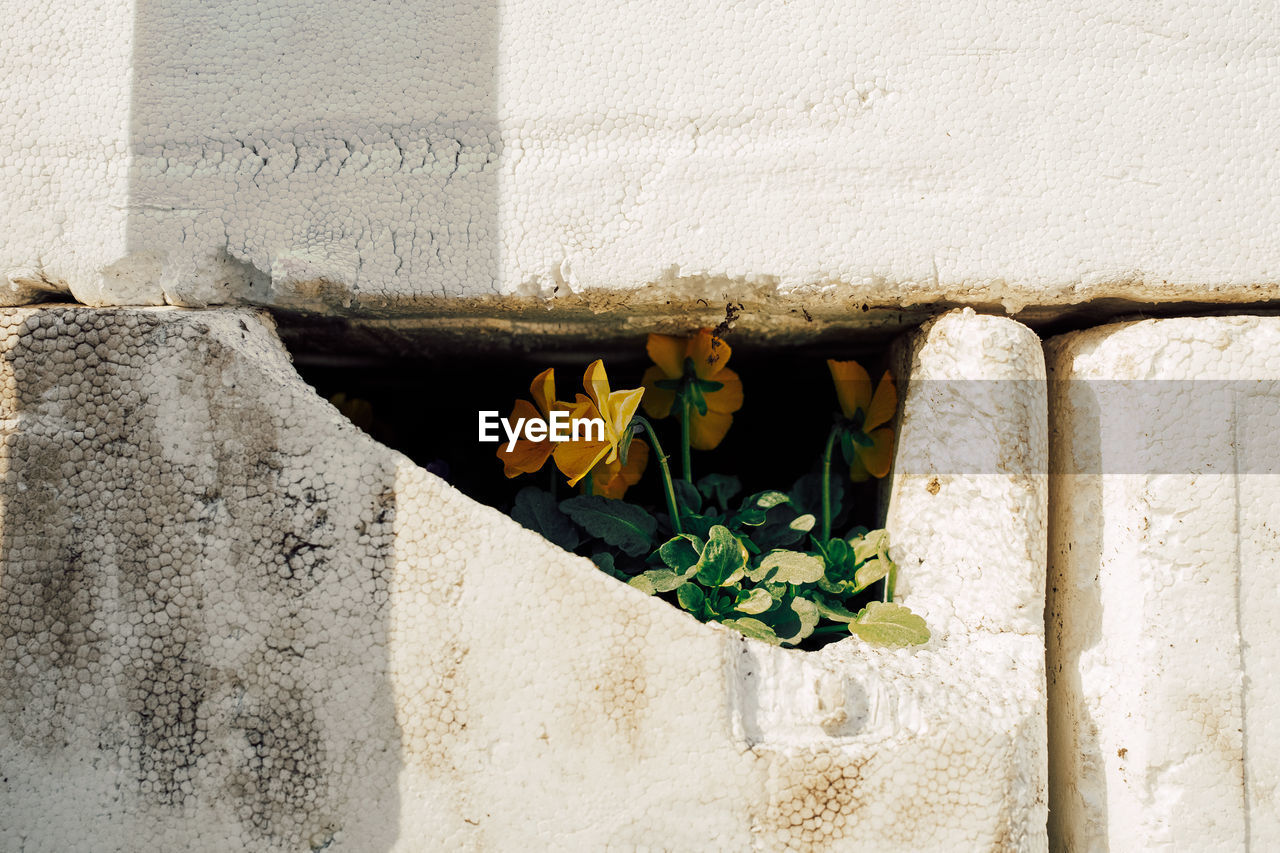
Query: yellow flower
[(528, 456), (615, 408), (612, 479), (869, 448), (718, 387)]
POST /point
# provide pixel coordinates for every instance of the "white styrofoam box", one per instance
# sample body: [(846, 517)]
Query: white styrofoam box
[(66, 75), (229, 620), (380, 157), (1163, 598)]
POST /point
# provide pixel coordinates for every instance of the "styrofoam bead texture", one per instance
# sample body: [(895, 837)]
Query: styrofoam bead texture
[(1162, 596), (230, 620), (381, 158)]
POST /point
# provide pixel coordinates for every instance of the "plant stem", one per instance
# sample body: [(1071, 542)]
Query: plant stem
[(889, 581), (686, 457), (826, 481), (588, 487), (667, 485)]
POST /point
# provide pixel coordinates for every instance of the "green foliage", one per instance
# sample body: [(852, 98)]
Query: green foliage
[(622, 525), (755, 564), (538, 511), (890, 625), (767, 564)]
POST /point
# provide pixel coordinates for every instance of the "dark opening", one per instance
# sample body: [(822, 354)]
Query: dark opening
[(427, 408), (425, 401)]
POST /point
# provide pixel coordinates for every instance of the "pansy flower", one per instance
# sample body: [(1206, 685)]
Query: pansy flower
[(866, 442), (694, 366), (614, 408), (527, 455), (612, 479)]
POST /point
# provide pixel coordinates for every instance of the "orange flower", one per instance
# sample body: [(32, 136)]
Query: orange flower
[(612, 479), (868, 444), (528, 456), (697, 365), (614, 408)]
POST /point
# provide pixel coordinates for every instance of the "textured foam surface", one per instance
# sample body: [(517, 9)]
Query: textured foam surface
[(373, 157), (1163, 600), (229, 620)]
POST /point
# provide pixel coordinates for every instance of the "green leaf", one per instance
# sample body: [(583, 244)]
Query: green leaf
[(802, 523), (687, 497), (754, 629), (755, 509), (806, 494), (643, 584), (605, 562), (720, 603), (779, 591), (872, 571), (890, 625), (874, 543), (793, 566), (831, 610), (623, 525), (657, 580), (808, 613), (720, 488), (756, 601), (839, 557), (536, 510), (698, 525), (838, 587), (723, 560), (681, 552), (781, 617), (773, 535), (691, 597), (768, 500)]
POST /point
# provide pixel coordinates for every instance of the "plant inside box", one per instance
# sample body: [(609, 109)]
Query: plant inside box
[(767, 563)]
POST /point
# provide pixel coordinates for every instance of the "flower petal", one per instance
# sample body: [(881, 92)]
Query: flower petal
[(883, 404), (612, 479), (857, 471), (668, 354), (622, 408), (637, 461), (878, 458), (543, 390), (709, 354), (596, 383), (853, 386), (525, 456), (707, 431), (729, 398), (657, 401), (576, 458)]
